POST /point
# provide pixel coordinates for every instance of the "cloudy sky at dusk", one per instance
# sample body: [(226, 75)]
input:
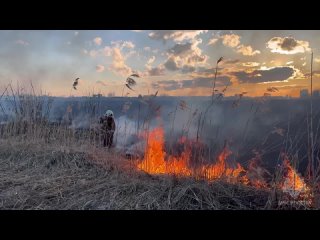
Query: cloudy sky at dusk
[(173, 62)]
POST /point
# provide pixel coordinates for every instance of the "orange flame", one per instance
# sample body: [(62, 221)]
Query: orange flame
[(154, 160), (220, 169), (255, 173), (157, 161), (293, 183)]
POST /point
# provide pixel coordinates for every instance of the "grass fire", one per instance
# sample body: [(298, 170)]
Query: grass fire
[(182, 131), (157, 161)]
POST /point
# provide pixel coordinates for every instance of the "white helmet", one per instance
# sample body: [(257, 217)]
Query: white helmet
[(109, 113)]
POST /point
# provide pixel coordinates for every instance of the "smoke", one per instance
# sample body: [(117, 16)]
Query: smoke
[(82, 121), (244, 127), (125, 133)]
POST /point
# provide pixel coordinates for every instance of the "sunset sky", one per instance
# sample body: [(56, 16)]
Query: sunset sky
[(173, 62)]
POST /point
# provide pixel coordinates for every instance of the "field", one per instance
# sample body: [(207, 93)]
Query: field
[(169, 153), (38, 176)]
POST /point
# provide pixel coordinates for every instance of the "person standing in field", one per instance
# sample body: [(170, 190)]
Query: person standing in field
[(108, 127)]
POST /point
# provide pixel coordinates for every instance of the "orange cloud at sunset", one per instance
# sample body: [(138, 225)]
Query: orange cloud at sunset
[(173, 62)]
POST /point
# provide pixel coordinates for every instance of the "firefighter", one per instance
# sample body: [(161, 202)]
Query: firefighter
[(108, 127)]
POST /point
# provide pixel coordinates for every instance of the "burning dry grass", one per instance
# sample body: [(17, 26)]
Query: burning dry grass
[(38, 176), (48, 166), (155, 162)]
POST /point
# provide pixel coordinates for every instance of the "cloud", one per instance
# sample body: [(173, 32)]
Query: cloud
[(102, 83), (247, 50), (151, 60), (97, 41), (287, 45), (93, 53), (231, 61), (167, 84), (171, 64), (156, 71), (194, 59), (170, 85), (233, 41), (230, 40), (268, 75), (99, 68), (175, 35), (250, 64), (123, 44), (119, 51), (187, 69), (22, 42), (118, 65), (314, 73), (138, 31), (130, 54), (107, 51), (180, 49), (76, 33), (206, 71), (213, 41), (128, 44), (185, 56), (148, 49), (290, 86)]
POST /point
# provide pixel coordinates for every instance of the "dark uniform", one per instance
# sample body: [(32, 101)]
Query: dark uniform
[(108, 127)]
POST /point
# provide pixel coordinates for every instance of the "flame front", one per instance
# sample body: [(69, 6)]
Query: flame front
[(293, 183), (154, 161), (157, 161), (220, 169), (256, 174)]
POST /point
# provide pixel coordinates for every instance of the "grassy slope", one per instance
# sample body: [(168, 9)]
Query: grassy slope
[(34, 175)]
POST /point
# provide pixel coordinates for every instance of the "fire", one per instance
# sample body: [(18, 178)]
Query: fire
[(220, 169), (256, 174), (293, 184), (157, 161)]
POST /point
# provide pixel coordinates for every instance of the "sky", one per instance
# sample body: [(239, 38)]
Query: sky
[(172, 62)]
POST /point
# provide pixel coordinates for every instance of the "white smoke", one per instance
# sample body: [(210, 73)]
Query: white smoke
[(83, 121), (125, 129)]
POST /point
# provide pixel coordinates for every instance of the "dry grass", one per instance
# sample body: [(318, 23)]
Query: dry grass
[(49, 166), (35, 175)]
